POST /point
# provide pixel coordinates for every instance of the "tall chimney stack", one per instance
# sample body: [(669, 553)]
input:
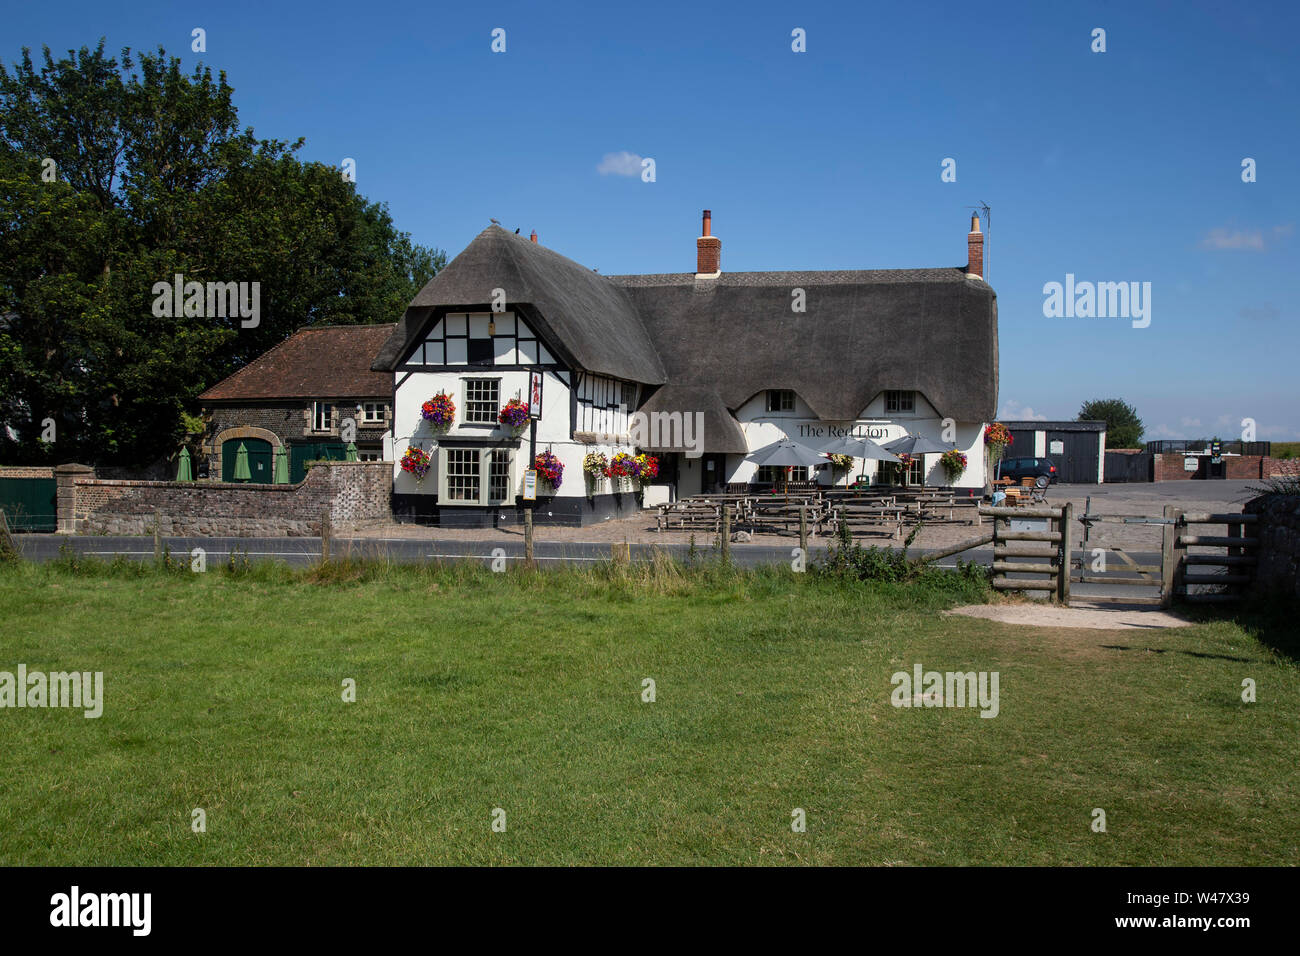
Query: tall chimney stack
[(708, 250), (975, 248)]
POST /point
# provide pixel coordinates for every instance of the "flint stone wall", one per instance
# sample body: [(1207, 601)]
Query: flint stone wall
[(352, 493)]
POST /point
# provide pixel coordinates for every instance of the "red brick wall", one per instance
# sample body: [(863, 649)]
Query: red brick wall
[(708, 255), (1243, 466), (1169, 467), (25, 471)]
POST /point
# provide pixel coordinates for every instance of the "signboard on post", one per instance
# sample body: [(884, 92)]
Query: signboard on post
[(535, 395), (530, 485)]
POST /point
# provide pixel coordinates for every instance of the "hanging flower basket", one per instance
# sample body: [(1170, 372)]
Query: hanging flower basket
[(439, 411), (549, 468), (840, 462), (647, 467), (953, 464), (997, 437), (514, 415), (416, 462)]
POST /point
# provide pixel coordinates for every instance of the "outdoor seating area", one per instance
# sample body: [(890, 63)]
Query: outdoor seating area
[(881, 510)]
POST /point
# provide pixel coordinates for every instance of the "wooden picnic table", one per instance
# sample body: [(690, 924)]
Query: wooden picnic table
[(868, 517)]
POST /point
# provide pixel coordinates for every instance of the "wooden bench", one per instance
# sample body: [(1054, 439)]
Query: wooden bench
[(883, 520)]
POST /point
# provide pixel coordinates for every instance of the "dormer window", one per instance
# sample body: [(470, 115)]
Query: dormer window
[(900, 401), (780, 400)]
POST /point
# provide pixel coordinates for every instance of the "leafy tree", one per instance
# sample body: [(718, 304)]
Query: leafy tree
[(1123, 427), (152, 176)]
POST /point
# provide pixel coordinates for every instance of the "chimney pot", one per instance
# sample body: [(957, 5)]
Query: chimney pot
[(708, 250), (533, 237)]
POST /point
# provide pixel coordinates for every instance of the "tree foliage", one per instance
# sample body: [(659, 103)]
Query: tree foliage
[(151, 176), (1123, 427)]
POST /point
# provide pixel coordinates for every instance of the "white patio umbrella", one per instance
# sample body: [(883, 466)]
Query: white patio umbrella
[(863, 448), (916, 445), (786, 453)]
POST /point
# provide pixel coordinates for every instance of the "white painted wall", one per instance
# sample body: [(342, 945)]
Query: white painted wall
[(552, 430), (762, 427)]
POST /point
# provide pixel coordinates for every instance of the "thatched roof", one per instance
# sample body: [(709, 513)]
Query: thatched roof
[(715, 343), (581, 312), (719, 431), (932, 330)]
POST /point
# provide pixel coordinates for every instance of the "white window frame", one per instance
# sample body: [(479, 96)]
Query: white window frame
[(797, 473), (485, 456), (316, 409), (465, 384), (381, 409), (780, 395)]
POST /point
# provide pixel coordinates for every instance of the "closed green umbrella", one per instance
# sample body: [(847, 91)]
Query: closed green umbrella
[(281, 466), (183, 472), (241, 464), (351, 451)]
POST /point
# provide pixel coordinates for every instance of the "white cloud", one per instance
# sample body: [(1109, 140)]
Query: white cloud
[(1222, 239), (620, 164), (1014, 411)]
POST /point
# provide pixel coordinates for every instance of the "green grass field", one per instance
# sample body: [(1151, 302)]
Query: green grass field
[(523, 692)]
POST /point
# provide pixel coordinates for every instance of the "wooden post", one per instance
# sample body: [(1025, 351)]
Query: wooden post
[(1168, 535), (726, 533), (621, 552), (528, 536), (1180, 552), (1063, 571), (325, 534), (803, 531), (8, 547), (157, 537)]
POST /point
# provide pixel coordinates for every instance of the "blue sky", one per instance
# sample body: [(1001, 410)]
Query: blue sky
[(1115, 166)]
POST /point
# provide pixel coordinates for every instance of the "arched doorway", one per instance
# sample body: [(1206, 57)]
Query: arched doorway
[(260, 459)]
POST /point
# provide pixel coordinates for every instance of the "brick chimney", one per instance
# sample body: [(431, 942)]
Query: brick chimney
[(533, 237), (708, 250), (975, 248)]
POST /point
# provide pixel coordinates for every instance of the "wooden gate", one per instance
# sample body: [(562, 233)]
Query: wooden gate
[(1041, 534), (1034, 544), (1237, 561)]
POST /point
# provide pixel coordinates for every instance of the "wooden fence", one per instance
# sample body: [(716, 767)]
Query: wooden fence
[(1048, 549)]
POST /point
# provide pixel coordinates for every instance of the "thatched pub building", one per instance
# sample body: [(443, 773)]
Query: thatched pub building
[(697, 369)]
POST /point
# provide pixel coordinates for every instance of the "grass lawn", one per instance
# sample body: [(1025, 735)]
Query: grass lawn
[(478, 691)]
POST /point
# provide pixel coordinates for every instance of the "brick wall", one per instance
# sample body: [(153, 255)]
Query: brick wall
[(1278, 531), (1168, 467), (352, 493), (26, 471)]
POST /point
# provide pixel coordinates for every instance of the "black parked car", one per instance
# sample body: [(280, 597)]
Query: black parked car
[(1017, 468)]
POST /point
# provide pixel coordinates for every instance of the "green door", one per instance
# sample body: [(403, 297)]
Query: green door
[(28, 503), (259, 460), (302, 452)]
